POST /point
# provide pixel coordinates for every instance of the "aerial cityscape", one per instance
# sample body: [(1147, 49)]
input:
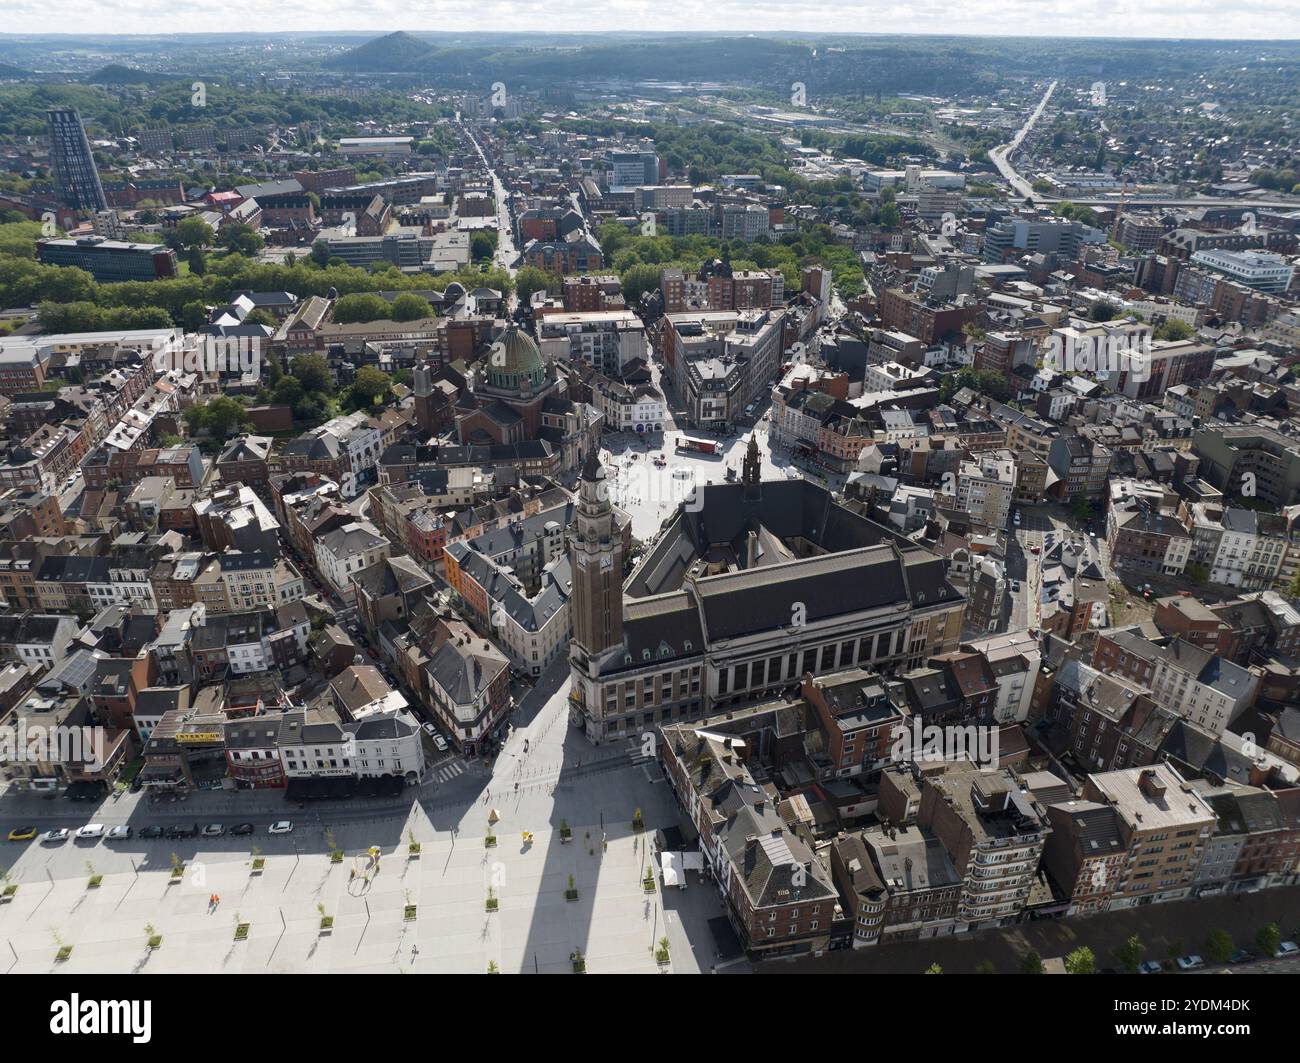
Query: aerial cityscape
[(641, 502)]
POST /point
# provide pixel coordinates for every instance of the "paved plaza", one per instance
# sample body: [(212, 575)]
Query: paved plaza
[(613, 921), (561, 780)]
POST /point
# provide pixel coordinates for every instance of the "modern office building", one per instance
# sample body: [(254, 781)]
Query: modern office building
[(73, 163), (110, 260), (1260, 270)]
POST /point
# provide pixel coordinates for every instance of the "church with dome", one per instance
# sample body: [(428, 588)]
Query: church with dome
[(516, 398)]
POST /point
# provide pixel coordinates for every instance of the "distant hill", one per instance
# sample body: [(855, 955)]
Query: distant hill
[(9, 71), (395, 51)]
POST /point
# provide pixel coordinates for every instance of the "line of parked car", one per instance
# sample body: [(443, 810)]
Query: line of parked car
[(93, 832), (1195, 962)]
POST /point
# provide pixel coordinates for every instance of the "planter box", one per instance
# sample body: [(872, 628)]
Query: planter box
[(490, 842), (241, 932), (570, 895), (413, 851), (492, 904), (94, 882), (63, 954), (409, 913), (155, 943), (326, 924)]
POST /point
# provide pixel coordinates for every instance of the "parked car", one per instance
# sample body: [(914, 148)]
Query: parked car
[(430, 730), (119, 833), (1190, 963), (1015, 585), (1149, 967), (90, 832), (183, 830), (58, 834), (1242, 956), (242, 828), (22, 834), (1287, 948), (214, 830), (152, 831), (282, 826), (440, 743)]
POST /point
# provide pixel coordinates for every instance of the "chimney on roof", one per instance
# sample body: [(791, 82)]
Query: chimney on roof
[(1149, 783)]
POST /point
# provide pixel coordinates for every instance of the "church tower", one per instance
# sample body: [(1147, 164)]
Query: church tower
[(597, 555)]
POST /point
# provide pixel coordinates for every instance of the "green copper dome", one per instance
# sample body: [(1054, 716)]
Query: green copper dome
[(515, 363)]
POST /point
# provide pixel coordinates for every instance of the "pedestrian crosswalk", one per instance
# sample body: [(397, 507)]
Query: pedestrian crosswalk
[(447, 770)]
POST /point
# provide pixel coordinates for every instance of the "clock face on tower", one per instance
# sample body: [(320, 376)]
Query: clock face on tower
[(606, 562)]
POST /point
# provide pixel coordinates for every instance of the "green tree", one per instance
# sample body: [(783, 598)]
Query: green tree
[(1031, 964), (1129, 954), (194, 232), (482, 245), (219, 418), (530, 279), (1268, 939), (1172, 329), (1081, 961), (370, 384), (410, 307), (241, 239), (1219, 946), (313, 373), (359, 306), (934, 968)]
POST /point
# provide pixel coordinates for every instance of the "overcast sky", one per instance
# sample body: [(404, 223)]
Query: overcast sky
[(1257, 19)]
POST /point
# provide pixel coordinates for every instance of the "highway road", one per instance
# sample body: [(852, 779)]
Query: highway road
[(1001, 155)]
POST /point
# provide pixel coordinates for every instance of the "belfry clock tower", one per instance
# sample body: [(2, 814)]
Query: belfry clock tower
[(597, 556)]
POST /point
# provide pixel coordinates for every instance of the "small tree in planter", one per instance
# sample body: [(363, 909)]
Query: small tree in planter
[(259, 861), (648, 883), (326, 921), (9, 888), (409, 911), (490, 840), (661, 953), (412, 846), (493, 968), (178, 868), (241, 928), (565, 833), (638, 824), (571, 894), (492, 902), (65, 950), (153, 939), (94, 880), (336, 854), (579, 961)]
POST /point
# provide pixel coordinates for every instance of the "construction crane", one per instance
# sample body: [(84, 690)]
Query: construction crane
[(1119, 211)]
